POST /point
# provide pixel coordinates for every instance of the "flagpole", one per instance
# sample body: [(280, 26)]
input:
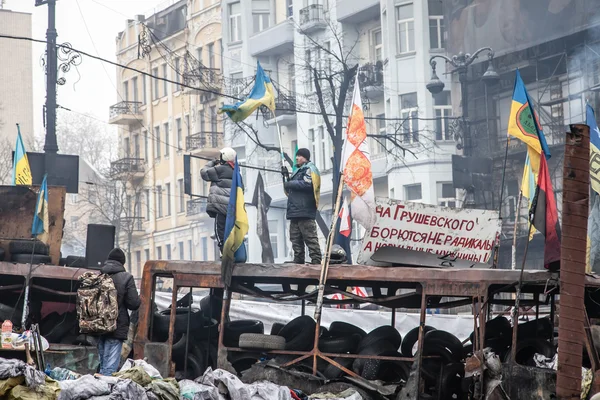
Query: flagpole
[(325, 262), (518, 296), (514, 243)]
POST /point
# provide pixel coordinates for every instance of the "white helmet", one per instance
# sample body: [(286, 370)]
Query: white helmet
[(228, 154)]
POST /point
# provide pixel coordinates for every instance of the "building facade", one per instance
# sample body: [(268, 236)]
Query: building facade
[(304, 43), (16, 78), (159, 121)]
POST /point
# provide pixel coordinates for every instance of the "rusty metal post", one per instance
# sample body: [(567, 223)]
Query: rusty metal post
[(576, 182)]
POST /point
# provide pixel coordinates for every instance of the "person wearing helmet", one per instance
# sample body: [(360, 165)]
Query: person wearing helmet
[(220, 175)]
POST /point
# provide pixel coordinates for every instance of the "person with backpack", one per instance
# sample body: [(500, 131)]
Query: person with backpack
[(114, 293)]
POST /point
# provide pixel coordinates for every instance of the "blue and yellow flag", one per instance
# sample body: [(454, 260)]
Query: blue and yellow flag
[(21, 170), (236, 227), (41, 223), (528, 184), (590, 120), (315, 176), (262, 94)]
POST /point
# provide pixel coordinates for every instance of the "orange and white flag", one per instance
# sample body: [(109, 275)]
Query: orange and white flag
[(345, 224), (356, 165)]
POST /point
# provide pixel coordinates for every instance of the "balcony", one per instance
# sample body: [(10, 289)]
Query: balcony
[(196, 207), (371, 79), (205, 79), (134, 225), (357, 11), (276, 40), (127, 169), (125, 113), (285, 106), (204, 143), (312, 18)]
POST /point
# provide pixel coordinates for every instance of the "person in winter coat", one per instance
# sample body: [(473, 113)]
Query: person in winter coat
[(303, 192), (110, 344), (220, 175)]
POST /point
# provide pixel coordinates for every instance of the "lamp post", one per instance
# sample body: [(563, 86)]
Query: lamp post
[(461, 63)]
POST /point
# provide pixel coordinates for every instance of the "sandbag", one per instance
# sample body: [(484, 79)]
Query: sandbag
[(265, 390), (49, 390), (235, 387), (7, 384), (348, 394), (191, 390), (82, 388), (136, 374), (128, 390), (11, 368), (163, 389)]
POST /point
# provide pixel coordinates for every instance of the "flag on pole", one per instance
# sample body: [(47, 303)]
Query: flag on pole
[(545, 216), (236, 227), (345, 223), (528, 185), (294, 166), (593, 235), (356, 164), (41, 222), (21, 170), (262, 94), (590, 120), (262, 202)]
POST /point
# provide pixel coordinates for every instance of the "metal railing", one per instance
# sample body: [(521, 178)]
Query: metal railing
[(204, 140), (125, 108), (126, 166), (286, 104), (196, 207), (312, 13), (132, 224), (371, 74)]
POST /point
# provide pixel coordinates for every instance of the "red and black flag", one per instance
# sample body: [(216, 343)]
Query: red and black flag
[(544, 216)]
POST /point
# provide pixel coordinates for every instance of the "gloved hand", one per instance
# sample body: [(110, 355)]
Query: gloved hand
[(285, 173)]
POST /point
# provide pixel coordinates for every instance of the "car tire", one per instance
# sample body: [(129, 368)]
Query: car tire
[(75, 262), (333, 372), (526, 349), (339, 345), (385, 333), (276, 328), (29, 258), (233, 330), (197, 321), (262, 342), (28, 247), (444, 339), (411, 338), (211, 306), (243, 361), (194, 368), (451, 380), (377, 348), (338, 328), (299, 333)]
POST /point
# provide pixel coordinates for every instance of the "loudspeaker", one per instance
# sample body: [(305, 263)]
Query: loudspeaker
[(100, 241)]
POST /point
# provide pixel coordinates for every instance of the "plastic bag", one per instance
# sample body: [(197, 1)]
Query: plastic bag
[(136, 374), (191, 390), (164, 389), (128, 390), (150, 370), (14, 368), (82, 388)]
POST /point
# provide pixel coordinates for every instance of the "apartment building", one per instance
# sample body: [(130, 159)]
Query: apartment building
[(392, 41), (160, 121)]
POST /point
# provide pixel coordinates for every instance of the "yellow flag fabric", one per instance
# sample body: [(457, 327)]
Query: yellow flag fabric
[(41, 222), (21, 170)]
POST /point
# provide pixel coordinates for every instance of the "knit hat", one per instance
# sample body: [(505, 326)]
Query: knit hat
[(304, 153), (117, 254)]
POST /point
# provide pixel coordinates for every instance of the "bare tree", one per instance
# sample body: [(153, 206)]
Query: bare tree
[(6, 165)]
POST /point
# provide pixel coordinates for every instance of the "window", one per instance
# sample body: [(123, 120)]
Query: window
[(211, 56), (155, 91), (309, 82), (134, 87), (190, 250), (147, 197), (157, 139), (158, 253), (73, 198), (159, 201), (187, 125), (126, 147), (273, 232), (168, 252), (378, 144), (138, 262), (409, 113), (406, 28), (446, 195), (181, 190), (165, 83), (235, 22), (167, 134), (213, 119), (177, 75), (199, 54), (144, 89), (201, 119), (292, 77), (179, 133), (125, 91), (204, 245), (413, 192), (437, 29), (290, 8), (443, 111), (181, 250), (136, 146), (314, 146), (146, 155), (260, 15), (168, 190), (376, 45), (74, 222), (147, 254)]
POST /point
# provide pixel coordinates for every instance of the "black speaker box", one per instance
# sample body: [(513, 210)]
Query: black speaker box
[(100, 241)]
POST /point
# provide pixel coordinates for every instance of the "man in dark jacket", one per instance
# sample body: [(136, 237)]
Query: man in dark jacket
[(220, 175), (303, 191), (110, 344)]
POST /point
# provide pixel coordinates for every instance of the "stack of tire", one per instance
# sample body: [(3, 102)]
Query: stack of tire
[(201, 344), (29, 251)]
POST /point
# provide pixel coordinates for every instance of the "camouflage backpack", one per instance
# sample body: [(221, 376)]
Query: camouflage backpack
[(97, 307)]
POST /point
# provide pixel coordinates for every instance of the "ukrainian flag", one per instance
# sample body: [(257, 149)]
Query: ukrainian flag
[(262, 94), (590, 120), (315, 175), (41, 222), (236, 227), (528, 184), (21, 170), (593, 233)]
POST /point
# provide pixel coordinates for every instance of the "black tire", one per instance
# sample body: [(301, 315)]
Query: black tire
[(333, 372), (411, 338), (385, 333), (197, 322), (526, 349), (378, 348), (2, 254), (276, 328), (338, 328), (65, 324), (451, 380), (28, 247), (178, 349), (194, 368), (243, 361), (538, 328), (439, 338), (233, 330), (211, 306), (28, 258), (262, 342), (62, 262), (495, 328), (75, 262), (339, 345), (394, 371), (299, 333)]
